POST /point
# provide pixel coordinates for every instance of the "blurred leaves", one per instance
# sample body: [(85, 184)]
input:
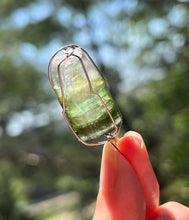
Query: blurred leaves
[(40, 33), (16, 89), (13, 191), (7, 6)]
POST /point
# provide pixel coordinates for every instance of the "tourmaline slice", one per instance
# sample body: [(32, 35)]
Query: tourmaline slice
[(86, 114)]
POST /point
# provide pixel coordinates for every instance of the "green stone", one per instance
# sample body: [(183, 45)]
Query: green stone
[(86, 114)]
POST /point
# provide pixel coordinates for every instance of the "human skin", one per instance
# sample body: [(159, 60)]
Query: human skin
[(128, 188)]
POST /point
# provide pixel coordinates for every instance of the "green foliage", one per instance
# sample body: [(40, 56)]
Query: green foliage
[(160, 113), (15, 86), (40, 33), (13, 191), (7, 6)]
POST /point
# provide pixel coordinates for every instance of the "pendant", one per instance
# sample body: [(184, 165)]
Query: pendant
[(88, 107)]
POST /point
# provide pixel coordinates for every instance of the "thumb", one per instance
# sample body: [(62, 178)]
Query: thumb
[(120, 194), (170, 211)]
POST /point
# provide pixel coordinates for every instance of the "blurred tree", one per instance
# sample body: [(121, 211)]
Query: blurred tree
[(159, 108)]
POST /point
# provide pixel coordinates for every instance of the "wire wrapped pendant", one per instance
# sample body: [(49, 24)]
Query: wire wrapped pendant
[(88, 107)]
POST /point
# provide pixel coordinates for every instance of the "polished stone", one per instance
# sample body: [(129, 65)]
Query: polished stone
[(86, 114)]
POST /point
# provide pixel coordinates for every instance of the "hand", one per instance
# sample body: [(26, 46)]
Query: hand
[(128, 186)]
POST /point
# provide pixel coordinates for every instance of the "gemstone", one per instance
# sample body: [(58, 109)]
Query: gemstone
[(87, 116)]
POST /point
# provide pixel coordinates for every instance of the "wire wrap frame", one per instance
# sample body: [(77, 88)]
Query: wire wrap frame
[(68, 54)]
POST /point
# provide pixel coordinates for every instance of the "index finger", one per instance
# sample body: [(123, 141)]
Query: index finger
[(134, 150)]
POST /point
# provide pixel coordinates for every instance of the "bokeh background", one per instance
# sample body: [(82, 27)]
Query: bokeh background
[(142, 49)]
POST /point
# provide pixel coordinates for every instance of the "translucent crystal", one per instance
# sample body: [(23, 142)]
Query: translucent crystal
[(85, 112)]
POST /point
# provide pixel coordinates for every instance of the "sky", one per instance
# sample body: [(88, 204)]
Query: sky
[(101, 18)]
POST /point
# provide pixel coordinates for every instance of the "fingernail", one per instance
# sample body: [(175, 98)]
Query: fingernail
[(136, 137), (108, 168)]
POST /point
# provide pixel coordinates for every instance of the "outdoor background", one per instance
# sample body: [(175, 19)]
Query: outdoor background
[(142, 49)]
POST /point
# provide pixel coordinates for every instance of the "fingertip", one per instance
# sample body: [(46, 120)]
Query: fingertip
[(132, 140), (133, 134)]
